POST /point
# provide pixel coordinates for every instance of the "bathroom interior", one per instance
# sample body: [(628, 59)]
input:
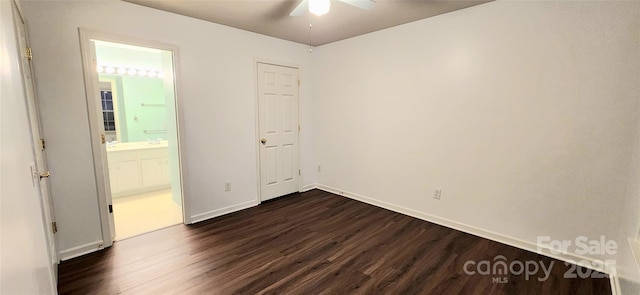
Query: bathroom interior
[(138, 110)]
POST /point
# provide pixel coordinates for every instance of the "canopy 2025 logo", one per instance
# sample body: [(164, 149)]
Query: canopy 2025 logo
[(500, 268), (581, 245)]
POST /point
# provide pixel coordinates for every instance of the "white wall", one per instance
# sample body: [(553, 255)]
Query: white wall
[(217, 106), (524, 114), (24, 259)]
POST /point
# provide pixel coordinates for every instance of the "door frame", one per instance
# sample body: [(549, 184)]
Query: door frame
[(257, 61), (92, 89)]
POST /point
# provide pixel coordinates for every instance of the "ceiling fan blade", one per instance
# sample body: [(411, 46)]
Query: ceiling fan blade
[(300, 9), (362, 4)]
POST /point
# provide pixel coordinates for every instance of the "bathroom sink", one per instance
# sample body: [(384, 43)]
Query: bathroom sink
[(138, 145)]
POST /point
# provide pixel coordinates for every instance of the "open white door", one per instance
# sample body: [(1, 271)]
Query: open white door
[(98, 139), (279, 130), (40, 171)]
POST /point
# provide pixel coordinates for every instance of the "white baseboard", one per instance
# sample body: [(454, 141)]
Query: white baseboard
[(308, 187), (476, 231), (222, 211), (176, 206), (80, 250), (140, 191)]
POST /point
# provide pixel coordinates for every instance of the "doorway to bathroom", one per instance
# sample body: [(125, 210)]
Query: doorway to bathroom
[(133, 100)]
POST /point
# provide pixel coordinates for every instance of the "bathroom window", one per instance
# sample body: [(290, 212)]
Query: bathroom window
[(107, 111)]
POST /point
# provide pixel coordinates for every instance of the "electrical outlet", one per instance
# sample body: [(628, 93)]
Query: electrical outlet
[(319, 168), (227, 186), (437, 193)]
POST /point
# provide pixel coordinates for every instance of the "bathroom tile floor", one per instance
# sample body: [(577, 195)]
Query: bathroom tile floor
[(138, 214)]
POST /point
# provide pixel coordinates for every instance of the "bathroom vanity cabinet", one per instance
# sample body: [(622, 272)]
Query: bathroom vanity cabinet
[(136, 168)]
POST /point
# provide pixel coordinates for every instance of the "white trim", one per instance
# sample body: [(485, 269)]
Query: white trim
[(634, 245), (615, 284), (178, 107), (19, 8), (476, 231), (308, 187), (258, 60), (222, 211), (256, 110), (81, 250)]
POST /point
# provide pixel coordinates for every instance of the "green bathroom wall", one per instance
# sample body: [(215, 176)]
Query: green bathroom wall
[(141, 107), (145, 105)]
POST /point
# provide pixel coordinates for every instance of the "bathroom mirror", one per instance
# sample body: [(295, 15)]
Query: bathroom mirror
[(132, 93)]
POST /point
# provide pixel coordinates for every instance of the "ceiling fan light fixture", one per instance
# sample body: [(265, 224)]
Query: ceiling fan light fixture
[(319, 7)]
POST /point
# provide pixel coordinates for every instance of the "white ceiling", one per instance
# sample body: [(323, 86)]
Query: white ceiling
[(271, 17)]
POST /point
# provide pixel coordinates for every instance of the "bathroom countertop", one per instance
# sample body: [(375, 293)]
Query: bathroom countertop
[(139, 145)]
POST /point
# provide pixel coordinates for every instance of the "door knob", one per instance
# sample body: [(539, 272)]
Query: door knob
[(264, 141)]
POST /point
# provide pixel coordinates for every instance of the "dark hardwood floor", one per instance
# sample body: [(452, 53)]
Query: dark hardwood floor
[(310, 243)]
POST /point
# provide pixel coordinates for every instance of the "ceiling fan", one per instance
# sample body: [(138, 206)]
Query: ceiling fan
[(320, 7)]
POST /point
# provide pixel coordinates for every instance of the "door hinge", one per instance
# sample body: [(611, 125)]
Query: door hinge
[(298, 82), (54, 227), (299, 128), (110, 208), (45, 174), (299, 173), (28, 53), (42, 146), (102, 139)]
